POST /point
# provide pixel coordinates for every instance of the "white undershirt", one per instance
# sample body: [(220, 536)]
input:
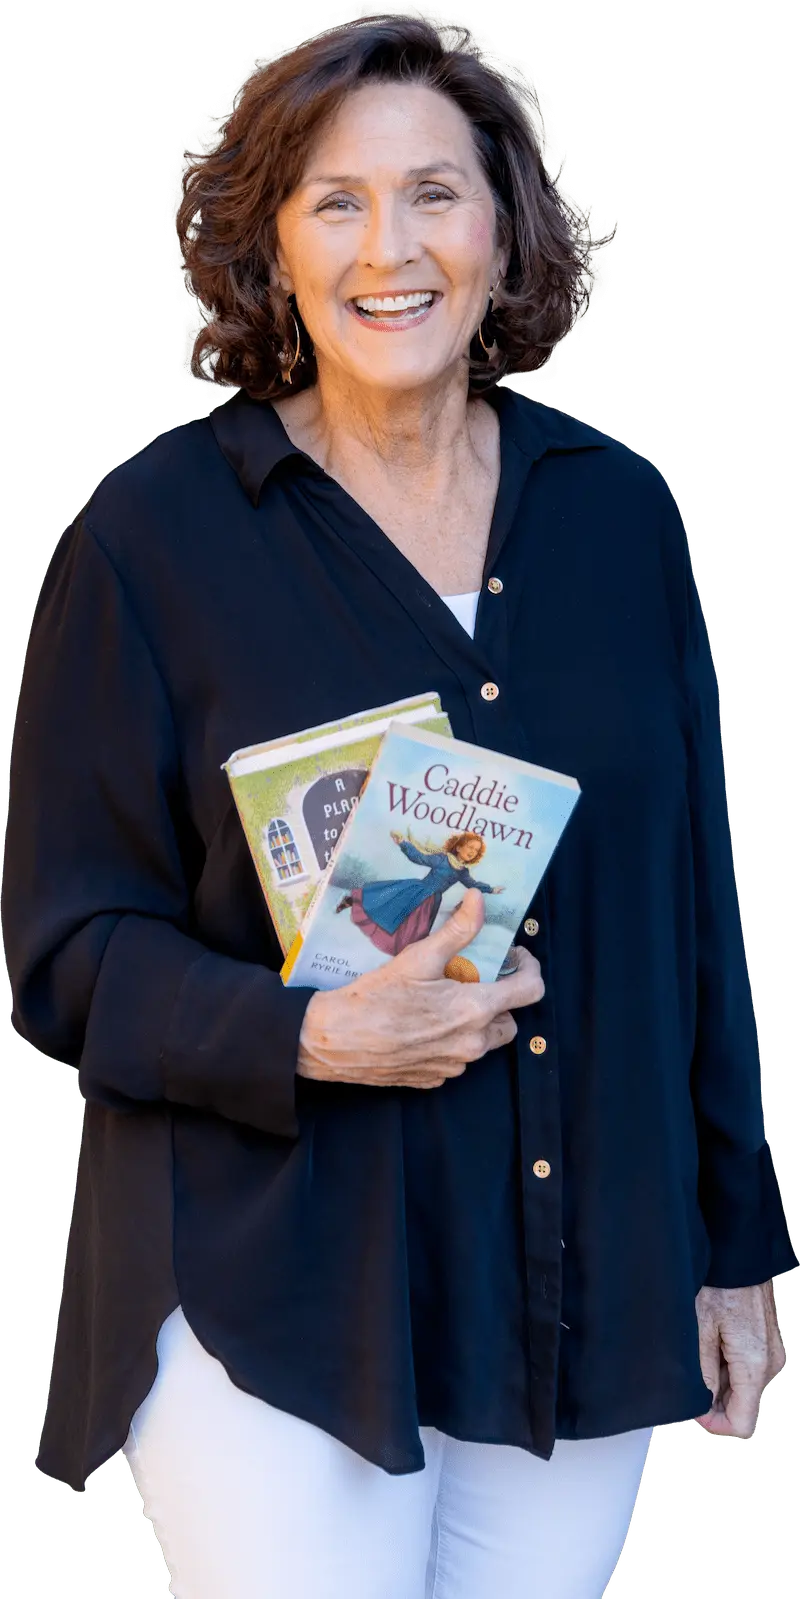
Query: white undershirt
[(464, 608)]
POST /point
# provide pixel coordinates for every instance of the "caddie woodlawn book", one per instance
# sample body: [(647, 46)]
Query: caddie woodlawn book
[(436, 816), (294, 794)]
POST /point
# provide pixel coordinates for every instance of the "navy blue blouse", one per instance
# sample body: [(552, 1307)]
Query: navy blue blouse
[(512, 1257)]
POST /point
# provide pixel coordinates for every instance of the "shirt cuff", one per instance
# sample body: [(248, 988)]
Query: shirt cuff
[(171, 1019), (249, 1072), (742, 1210)]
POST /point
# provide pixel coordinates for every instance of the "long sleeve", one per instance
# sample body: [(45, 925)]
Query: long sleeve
[(473, 882), (738, 1190), (96, 903), (413, 853)]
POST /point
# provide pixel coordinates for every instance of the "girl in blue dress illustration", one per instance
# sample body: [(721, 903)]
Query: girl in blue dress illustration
[(398, 911)]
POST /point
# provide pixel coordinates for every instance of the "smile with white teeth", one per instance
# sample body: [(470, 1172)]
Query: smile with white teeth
[(394, 305)]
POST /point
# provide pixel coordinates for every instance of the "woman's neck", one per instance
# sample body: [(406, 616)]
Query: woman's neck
[(426, 438)]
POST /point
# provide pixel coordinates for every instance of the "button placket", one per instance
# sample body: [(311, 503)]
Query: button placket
[(542, 1197)]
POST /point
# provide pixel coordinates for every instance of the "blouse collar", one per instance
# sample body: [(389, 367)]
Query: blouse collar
[(254, 441)]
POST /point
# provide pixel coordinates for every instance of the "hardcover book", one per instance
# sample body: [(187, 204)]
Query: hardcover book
[(436, 816), (295, 793)]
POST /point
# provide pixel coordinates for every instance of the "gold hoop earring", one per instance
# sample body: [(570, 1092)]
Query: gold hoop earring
[(286, 374), (486, 315)]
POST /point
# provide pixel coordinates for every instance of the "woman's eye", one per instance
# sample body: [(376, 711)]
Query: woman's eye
[(338, 199)]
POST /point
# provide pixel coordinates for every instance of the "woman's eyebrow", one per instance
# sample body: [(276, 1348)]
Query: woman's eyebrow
[(413, 172)]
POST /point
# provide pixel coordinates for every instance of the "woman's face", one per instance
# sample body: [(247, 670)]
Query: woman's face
[(393, 199)]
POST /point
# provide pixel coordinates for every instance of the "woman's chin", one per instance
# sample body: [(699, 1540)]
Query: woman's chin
[(407, 369)]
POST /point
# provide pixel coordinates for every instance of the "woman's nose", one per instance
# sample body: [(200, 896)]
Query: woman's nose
[(388, 236)]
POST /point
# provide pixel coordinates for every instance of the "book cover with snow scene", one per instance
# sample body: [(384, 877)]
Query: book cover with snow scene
[(436, 816)]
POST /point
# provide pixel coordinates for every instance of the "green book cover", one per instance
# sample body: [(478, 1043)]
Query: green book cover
[(294, 794)]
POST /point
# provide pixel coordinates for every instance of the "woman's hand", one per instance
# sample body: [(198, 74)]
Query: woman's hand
[(741, 1350), (500, 889), (408, 1026)]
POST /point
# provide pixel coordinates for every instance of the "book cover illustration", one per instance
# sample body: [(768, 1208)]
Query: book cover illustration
[(436, 816), (294, 794)]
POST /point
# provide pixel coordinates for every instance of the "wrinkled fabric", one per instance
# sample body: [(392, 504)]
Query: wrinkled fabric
[(514, 1256)]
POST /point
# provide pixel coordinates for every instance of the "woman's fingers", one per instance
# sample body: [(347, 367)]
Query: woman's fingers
[(475, 1018), (501, 1030), (522, 987), (431, 1076), (409, 1030)]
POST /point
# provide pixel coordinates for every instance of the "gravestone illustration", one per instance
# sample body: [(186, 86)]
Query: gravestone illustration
[(326, 807)]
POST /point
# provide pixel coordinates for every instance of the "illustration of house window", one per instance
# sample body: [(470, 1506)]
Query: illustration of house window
[(283, 852)]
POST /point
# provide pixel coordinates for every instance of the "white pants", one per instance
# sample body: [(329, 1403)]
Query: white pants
[(249, 1502)]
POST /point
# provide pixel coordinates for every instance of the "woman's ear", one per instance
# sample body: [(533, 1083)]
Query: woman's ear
[(279, 277), (500, 272), (280, 280)]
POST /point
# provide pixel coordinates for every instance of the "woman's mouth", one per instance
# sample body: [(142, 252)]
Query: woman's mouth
[(394, 313)]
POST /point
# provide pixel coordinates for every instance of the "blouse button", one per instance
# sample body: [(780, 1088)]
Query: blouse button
[(538, 1044), (531, 926), (541, 1168), (490, 691), (495, 585)]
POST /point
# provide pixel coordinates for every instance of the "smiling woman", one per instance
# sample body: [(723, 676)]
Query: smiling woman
[(475, 219), (390, 235), (383, 1290)]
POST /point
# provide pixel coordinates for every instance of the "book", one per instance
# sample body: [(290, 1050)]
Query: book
[(435, 817), (295, 792)]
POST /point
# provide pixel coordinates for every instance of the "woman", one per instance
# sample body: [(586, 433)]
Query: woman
[(397, 912), (357, 1339)]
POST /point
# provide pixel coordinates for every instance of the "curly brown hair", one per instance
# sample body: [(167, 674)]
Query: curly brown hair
[(451, 845), (231, 194)]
